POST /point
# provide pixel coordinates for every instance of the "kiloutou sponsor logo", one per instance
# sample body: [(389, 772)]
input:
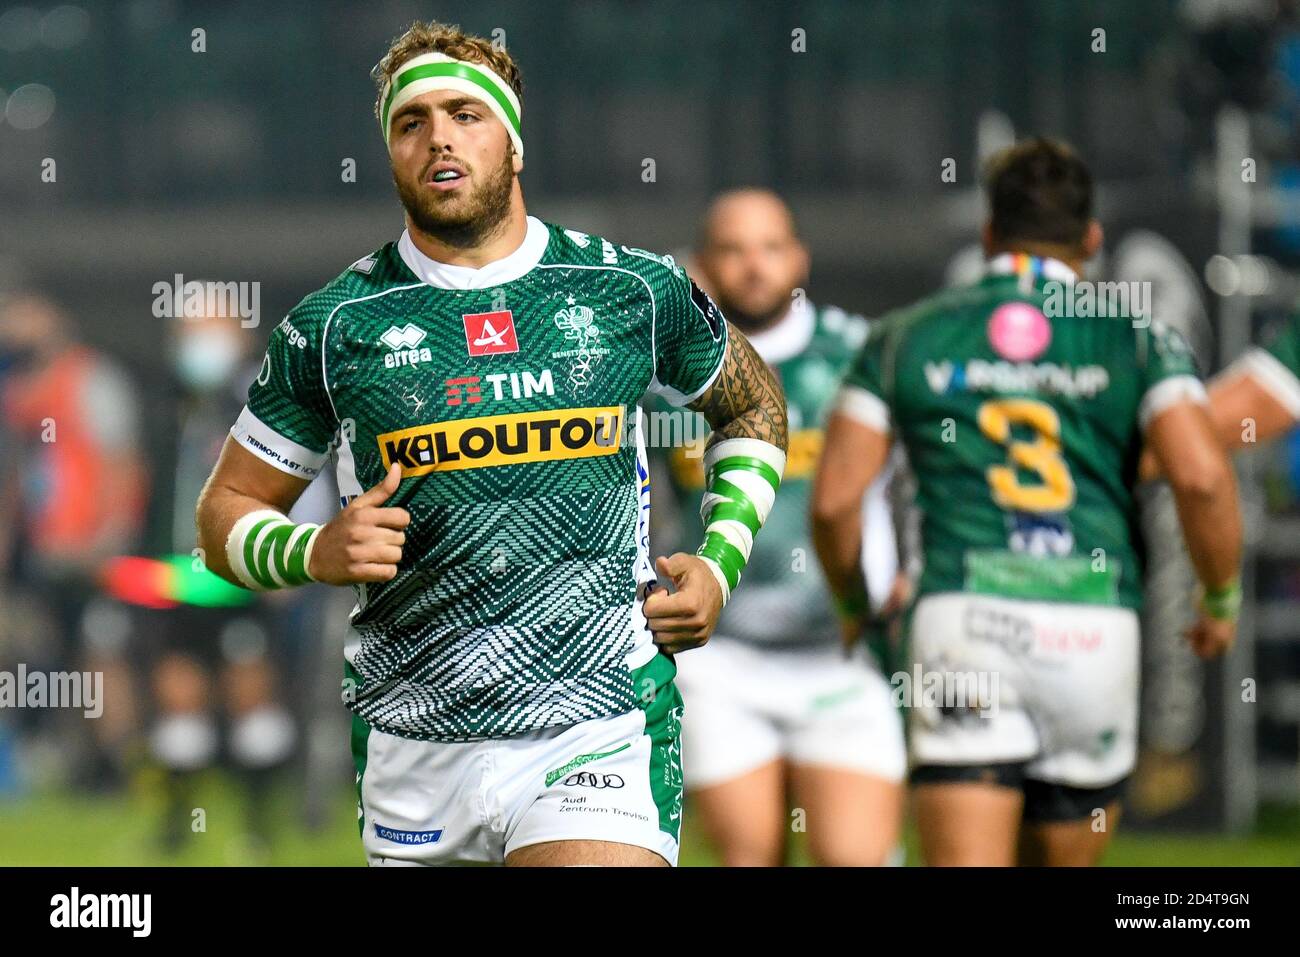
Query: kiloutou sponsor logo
[(503, 440)]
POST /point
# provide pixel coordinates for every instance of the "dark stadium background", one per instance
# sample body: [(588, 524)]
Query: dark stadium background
[(227, 165)]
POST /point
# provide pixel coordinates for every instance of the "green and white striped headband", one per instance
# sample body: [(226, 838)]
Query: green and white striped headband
[(437, 71)]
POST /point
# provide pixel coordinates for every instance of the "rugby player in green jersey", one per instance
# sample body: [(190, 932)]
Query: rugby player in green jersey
[(776, 717), (476, 385), (1257, 398), (1024, 424)]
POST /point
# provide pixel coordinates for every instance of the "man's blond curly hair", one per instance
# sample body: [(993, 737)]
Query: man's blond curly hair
[(434, 37)]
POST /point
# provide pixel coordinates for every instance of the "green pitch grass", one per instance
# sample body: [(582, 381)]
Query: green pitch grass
[(66, 830)]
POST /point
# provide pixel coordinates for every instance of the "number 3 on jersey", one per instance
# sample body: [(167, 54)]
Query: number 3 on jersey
[(1042, 456)]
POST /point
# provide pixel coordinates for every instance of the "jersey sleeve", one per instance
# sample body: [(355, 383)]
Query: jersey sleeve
[(289, 422), (689, 339), (1167, 371), (862, 396), (1276, 366)]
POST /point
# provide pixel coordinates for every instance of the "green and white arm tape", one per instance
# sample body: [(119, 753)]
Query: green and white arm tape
[(741, 477), (266, 551), (1223, 603)]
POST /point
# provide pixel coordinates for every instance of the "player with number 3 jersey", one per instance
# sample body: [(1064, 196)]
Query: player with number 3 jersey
[(1024, 422)]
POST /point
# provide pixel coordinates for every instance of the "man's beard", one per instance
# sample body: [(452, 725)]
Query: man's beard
[(747, 321), (473, 221)]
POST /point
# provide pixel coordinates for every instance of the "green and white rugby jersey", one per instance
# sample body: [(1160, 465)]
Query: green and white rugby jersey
[(783, 597), (1023, 431), (508, 394)]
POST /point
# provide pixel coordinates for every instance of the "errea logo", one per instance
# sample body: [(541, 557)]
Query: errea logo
[(407, 337), (404, 342)]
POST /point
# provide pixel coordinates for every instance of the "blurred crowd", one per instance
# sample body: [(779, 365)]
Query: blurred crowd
[(99, 573)]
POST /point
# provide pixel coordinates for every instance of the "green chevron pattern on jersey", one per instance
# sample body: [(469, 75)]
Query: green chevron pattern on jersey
[(513, 412), (782, 596), (1025, 468)]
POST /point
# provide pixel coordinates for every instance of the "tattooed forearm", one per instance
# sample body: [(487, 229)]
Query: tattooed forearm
[(746, 400)]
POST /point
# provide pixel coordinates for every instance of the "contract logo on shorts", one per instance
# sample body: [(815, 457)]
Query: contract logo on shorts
[(408, 837), (586, 779), (503, 440), (490, 333)]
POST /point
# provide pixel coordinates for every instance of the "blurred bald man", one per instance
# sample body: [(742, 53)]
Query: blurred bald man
[(782, 731)]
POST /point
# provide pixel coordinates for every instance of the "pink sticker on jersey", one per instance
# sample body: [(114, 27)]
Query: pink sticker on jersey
[(1019, 332)]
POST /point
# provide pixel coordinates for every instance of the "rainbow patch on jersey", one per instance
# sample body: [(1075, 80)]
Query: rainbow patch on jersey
[(511, 439)]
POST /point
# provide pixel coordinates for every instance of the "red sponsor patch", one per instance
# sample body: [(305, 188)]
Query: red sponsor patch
[(490, 333), (464, 389)]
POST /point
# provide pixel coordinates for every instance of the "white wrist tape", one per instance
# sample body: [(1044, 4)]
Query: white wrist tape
[(267, 551)]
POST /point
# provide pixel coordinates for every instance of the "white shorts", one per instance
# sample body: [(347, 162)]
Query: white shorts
[(747, 705), (616, 779), (1063, 680)]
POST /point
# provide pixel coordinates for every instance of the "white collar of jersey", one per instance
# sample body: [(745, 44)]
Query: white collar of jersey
[(446, 276), (788, 336), (1009, 264)]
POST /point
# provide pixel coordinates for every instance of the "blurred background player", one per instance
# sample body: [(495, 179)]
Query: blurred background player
[(776, 717), (213, 671), (77, 497), (1024, 433), (1257, 398)]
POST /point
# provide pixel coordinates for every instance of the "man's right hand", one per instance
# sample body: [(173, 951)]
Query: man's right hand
[(1211, 637), (362, 543)]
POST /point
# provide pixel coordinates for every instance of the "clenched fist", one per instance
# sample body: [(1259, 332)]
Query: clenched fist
[(1210, 637), (685, 617), (362, 543)]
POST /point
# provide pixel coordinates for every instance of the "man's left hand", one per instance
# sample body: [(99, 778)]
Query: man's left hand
[(684, 618)]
